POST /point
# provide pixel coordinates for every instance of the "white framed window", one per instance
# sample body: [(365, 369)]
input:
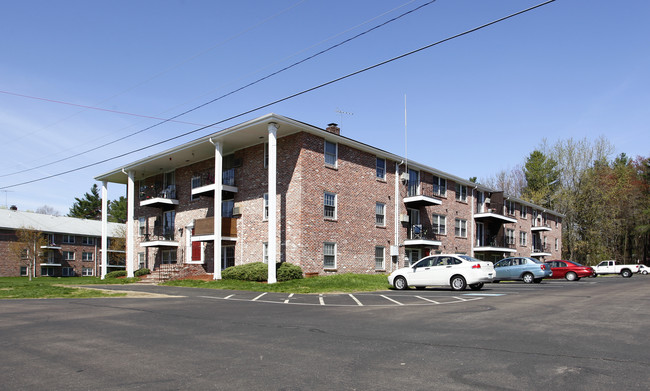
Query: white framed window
[(510, 236), (68, 255), (557, 244), (380, 255), (142, 226), (380, 214), (141, 263), (439, 224), (47, 271), (67, 272), (168, 256), (68, 239), (329, 255), (524, 211), (439, 186), (89, 240), (23, 271), (523, 238), (461, 192), (329, 205), (86, 256), (194, 183), (461, 228), (265, 213), (414, 183), (265, 252), (87, 271), (381, 168), (331, 153), (510, 207)]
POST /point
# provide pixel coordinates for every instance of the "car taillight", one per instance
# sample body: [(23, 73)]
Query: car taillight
[(543, 267), (476, 266)]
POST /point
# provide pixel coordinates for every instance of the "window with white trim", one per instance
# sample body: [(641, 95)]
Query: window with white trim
[(265, 213), (47, 271), (23, 271), (381, 168), (380, 255), (87, 240), (329, 205), (331, 153), (439, 186), (329, 255), (87, 271), (461, 192), (194, 183), (68, 255), (380, 214), (510, 207), (510, 236), (439, 224), (142, 226), (523, 238), (524, 211), (265, 252), (557, 244), (67, 272), (86, 256), (68, 239), (141, 260), (461, 228)]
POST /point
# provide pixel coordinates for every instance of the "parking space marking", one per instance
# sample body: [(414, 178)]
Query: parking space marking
[(229, 296), (287, 300), (320, 299), (389, 299), (355, 299), (255, 299), (484, 294), (429, 300)]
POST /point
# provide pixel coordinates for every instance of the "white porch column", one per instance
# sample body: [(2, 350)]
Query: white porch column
[(272, 166), (218, 185), (130, 212), (104, 250)]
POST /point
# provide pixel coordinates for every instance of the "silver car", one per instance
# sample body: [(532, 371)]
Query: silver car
[(524, 269)]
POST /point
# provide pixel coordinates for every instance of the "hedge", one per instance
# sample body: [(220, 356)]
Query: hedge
[(258, 271)]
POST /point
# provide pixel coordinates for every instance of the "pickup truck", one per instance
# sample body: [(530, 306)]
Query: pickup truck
[(611, 267)]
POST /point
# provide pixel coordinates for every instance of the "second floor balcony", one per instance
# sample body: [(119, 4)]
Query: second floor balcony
[(158, 195), (203, 183), (494, 211), (421, 235), (495, 243), (204, 229), (160, 236)]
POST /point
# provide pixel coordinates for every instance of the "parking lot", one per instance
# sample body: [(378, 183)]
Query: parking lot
[(589, 334)]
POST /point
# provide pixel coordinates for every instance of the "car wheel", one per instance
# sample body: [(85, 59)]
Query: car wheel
[(571, 276), (537, 280), (476, 287), (458, 283), (626, 273), (400, 283), (644, 272), (528, 278)]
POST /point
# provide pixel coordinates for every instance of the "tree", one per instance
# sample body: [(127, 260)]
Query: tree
[(542, 178), (48, 210), (27, 248), (511, 182), (117, 210), (88, 207)]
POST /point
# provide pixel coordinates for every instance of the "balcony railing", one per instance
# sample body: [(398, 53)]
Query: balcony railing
[(422, 231), (498, 242), (157, 191), (207, 178), (159, 233), (540, 248)]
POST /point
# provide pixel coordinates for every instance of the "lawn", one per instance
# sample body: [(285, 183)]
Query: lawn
[(51, 287), (343, 283)]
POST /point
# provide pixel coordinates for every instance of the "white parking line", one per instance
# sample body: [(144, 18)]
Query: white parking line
[(459, 298), (229, 296), (290, 296), (355, 299), (255, 299), (429, 300), (320, 299), (394, 301)]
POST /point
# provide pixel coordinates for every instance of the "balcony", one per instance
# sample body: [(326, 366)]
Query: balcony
[(160, 237), (204, 229), (158, 196), (539, 226), (427, 198), (51, 246), (499, 244), (203, 184), (495, 212), (418, 235), (540, 250)]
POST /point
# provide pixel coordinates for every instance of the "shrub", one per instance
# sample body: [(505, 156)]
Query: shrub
[(288, 271), (141, 272), (117, 273)]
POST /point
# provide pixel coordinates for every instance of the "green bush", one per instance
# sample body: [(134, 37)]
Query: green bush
[(117, 273), (258, 271), (288, 271), (142, 272)]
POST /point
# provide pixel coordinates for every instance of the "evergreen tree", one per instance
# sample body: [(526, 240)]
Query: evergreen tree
[(542, 178), (88, 207), (117, 210)]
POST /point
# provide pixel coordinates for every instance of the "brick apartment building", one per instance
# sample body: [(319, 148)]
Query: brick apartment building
[(280, 189), (73, 245)]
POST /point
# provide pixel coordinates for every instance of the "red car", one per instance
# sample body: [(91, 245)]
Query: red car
[(572, 271)]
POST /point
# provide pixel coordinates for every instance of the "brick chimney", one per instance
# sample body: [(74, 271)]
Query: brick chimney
[(333, 128)]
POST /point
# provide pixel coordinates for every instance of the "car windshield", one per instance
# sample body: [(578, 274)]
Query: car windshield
[(468, 258)]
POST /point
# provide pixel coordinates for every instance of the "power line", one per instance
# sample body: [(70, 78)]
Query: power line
[(229, 93), (466, 32)]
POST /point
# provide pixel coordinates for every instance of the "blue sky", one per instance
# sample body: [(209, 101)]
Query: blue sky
[(476, 105)]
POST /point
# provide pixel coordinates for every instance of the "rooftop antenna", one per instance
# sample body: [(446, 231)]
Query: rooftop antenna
[(6, 204), (406, 156), (341, 112)]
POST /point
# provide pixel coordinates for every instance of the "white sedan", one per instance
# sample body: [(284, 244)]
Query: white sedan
[(456, 271), (643, 269)]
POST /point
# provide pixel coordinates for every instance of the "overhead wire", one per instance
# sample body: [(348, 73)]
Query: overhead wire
[(336, 80)]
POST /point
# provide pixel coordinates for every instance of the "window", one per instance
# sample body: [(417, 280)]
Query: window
[(86, 256), (510, 207), (47, 271), (169, 218), (329, 205), (87, 240), (68, 255), (461, 228), (141, 259), (381, 168), (24, 253), (380, 214), (557, 244), (168, 256), (194, 183), (142, 226), (414, 183), (329, 255), (67, 272), (23, 271), (461, 192), (265, 214), (524, 211), (331, 152), (439, 224), (68, 239), (439, 186), (227, 208), (379, 257), (265, 252), (523, 238), (87, 271), (510, 236)]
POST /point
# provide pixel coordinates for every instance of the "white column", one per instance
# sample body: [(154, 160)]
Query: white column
[(104, 246), (218, 185), (130, 242), (396, 215), (273, 208)]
